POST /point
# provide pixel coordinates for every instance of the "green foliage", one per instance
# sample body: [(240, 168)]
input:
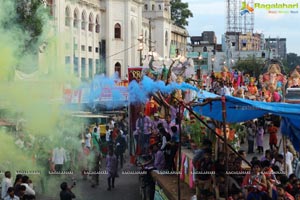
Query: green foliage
[(27, 17), (291, 62), (180, 13), (252, 66), (30, 19), (23, 28)]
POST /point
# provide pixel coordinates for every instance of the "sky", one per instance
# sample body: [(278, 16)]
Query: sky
[(210, 15)]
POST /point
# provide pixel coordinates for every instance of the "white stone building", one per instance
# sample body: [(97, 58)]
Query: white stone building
[(101, 36)]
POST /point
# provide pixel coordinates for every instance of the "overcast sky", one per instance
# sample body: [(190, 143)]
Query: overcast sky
[(210, 15)]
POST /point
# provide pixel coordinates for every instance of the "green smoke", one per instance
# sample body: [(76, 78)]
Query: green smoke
[(31, 85)]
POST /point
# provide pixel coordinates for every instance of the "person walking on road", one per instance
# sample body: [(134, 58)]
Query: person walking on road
[(260, 139), (120, 148), (111, 168), (250, 137), (273, 136)]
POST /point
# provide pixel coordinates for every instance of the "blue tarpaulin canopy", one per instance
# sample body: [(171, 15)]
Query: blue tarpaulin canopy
[(240, 110)]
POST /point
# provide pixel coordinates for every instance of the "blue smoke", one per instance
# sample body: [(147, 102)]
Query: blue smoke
[(136, 93), (103, 92), (139, 93)]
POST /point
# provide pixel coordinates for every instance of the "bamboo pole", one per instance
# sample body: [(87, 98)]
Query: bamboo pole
[(179, 153), (225, 142)]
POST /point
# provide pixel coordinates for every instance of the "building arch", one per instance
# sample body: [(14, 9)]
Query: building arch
[(118, 69), (68, 16), (97, 24), (83, 20), (91, 22), (76, 18), (117, 31), (166, 38)]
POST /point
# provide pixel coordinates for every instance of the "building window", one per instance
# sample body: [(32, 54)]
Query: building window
[(67, 60), (83, 67), (91, 74), (68, 17), (83, 20), (166, 38), (75, 46), (67, 46), (118, 69), (153, 7), (96, 49), (90, 48), (76, 19), (146, 6), (91, 24), (82, 48), (98, 71), (118, 31), (159, 7), (146, 38), (76, 66), (97, 25)]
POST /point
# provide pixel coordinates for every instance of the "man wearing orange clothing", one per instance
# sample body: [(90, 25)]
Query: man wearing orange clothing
[(273, 136)]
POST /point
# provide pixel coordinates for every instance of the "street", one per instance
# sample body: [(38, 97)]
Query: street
[(126, 187)]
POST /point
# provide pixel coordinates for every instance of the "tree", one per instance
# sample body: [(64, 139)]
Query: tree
[(30, 18), (292, 61), (180, 13), (251, 65), (23, 21)]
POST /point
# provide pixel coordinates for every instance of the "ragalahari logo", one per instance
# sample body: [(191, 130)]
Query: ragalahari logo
[(246, 8)]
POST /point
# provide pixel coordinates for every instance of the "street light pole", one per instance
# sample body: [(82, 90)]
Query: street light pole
[(212, 64), (141, 47), (199, 73)]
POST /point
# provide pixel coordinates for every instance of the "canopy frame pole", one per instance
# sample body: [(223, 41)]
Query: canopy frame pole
[(213, 131), (225, 142), (179, 153)]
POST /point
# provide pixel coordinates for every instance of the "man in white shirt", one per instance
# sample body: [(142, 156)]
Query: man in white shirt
[(6, 183), (108, 134), (88, 137), (59, 158), (29, 190), (111, 123), (289, 159)]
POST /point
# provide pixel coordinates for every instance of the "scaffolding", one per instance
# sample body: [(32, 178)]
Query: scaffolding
[(235, 20), (248, 19)]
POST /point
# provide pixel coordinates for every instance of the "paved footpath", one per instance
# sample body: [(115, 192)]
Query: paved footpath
[(126, 187), (266, 146)]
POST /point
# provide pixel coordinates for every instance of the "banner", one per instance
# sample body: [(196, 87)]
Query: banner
[(134, 73)]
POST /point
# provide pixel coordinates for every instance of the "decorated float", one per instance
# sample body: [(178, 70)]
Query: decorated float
[(293, 87)]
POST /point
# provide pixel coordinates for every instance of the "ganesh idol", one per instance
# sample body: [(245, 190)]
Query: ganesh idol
[(252, 89), (226, 75), (294, 80), (274, 77)]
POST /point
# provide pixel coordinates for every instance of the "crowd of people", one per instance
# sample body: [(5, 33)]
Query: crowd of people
[(158, 137), (19, 189), (273, 175), (110, 146)]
